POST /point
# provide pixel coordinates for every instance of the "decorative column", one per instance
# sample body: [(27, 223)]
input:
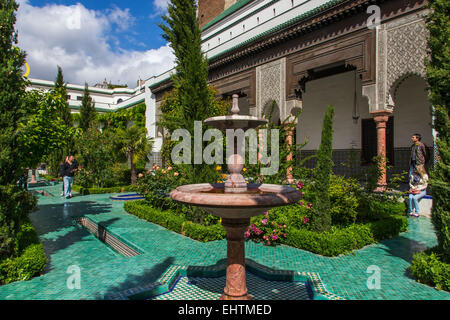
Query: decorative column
[(33, 176), (293, 109), (236, 287), (381, 117), (289, 141)]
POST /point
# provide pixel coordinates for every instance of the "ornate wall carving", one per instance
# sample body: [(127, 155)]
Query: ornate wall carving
[(271, 85), (402, 49)]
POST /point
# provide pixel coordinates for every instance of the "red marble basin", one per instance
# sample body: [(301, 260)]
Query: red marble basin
[(258, 199)]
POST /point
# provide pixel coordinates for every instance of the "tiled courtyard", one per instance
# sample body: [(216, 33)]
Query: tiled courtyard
[(105, 273)]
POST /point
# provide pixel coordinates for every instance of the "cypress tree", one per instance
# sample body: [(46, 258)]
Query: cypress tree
[(183, 33), (61, 88), (88, 114), (438, 77), (321, 220), (194, 99), (12, 84)]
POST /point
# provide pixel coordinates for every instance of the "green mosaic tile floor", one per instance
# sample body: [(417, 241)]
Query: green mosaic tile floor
[(197, 288), (104, 272)]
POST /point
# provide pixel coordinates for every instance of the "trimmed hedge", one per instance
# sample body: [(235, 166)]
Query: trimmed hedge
[(333, 243), (87, 191), (175, 222), (428, 268), (31, 259), (344, 241)]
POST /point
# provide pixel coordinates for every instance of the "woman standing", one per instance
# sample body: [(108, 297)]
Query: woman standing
[(418, 189)]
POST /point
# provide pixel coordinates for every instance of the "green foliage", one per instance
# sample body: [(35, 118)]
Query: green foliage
[(265, 229), (12, 93), (192, 99), (42, 131), (428, 268), (95, 156), (31, 263), (61, 88), (88, 114), (175, 221), (15, 205), (343, 200), (339, 241), (156, 185), (87, 191), (322, 220), (122, 118), (375, 207), (438, 77), (135, 145)]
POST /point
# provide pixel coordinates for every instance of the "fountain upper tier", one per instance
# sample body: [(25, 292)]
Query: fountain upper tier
[(235, 121)]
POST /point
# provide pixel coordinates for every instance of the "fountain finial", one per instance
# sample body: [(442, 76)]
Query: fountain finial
[(235, 109)]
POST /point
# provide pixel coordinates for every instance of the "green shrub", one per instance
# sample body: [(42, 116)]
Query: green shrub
[(15, 205), (374, 207), (344, 240), (87, 191), (343, 200), (175, 222), (428, 268), (31, 263)]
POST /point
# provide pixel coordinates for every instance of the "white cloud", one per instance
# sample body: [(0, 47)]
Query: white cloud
[(161, 5), (76, 38)]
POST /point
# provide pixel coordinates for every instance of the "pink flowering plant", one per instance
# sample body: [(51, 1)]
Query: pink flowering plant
[(267, 230)]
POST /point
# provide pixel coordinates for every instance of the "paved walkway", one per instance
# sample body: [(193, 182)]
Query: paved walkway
[(105, 272)]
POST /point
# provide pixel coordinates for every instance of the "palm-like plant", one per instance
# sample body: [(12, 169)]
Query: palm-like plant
[(136, 145)]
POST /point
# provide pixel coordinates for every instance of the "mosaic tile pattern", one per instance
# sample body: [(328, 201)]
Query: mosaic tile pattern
[(196, 288), (106, 274)]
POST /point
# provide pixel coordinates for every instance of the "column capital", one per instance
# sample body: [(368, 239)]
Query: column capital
[(381, 117)]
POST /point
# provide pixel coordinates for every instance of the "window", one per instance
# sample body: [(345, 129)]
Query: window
[(257, 20), (119, 101), (369, 141), (68, 97), (79, 98)]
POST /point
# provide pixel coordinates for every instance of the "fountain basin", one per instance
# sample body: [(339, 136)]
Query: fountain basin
[(258, 199)]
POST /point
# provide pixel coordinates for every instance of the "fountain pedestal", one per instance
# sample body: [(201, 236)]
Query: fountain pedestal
[(236, 285)]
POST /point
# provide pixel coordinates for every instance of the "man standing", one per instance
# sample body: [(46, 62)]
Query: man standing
[(62, 174), (70, 167), (418, 153)]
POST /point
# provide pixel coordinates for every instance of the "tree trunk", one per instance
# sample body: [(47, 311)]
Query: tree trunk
[(133, 171)]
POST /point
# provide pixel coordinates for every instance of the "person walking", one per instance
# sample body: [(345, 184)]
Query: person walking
[(70, 167), (418, 189), (62, 174)]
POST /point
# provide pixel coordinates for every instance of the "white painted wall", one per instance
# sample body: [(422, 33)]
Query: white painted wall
[(412, 113), (338, 91)]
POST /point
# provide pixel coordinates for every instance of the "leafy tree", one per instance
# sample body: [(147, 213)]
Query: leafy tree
[(95, 154), (192, 99), (12, 92), (438, 76), (42, 131), (88, 114), (322, 219), (135, 145)]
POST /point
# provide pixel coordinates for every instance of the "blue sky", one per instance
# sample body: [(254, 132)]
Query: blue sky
[(94, 39), (144, 32)]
